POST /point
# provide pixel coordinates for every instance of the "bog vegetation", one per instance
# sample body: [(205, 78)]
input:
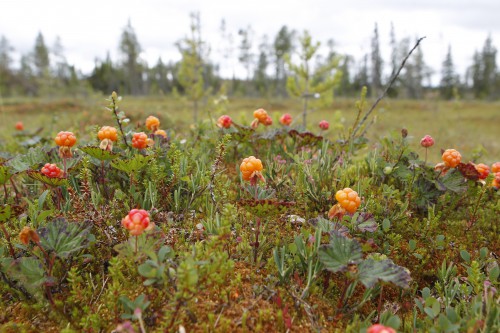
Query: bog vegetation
[(275, 218), (256, 226)]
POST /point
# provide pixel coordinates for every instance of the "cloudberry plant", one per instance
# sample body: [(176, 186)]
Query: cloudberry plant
[(65, 139), (52, 171), (261, 115), (136, 221), (348, 199), (451, 158), (483, 170), (19, 126), (251, 168), (495, 167), (286, 119), (161, 133), (378, 328), (140, 140), (324, 125), (427, 141), (224, 121), (108, 132), (152, 123), (268, 121)]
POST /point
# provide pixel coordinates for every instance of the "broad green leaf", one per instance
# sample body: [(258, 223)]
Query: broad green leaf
[(37, 175), (33, 158), (371, 271), (453, 181), (100, 154), (65, 238), (132, 165), (5, 174), (341, 252)]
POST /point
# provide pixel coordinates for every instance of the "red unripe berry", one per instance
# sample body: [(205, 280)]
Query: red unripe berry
[(140, 140), (286, 119), (136, 221), (52, 171), (268, 121), (224, 121), (152, 123), (19, 126), (483, 170), (451, 158), (65, 139), (427, 141), (324, 125), (378, 328)]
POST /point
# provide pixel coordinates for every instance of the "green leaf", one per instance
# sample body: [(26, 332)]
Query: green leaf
[(341, 252), (371, 271), (452, 181), (386, 225), (100, 154), (33, 158), (5, 213), (37, 175), (29, 272), (132, 165), (465, 256), (5, 174), (65, 238), (412, 244)]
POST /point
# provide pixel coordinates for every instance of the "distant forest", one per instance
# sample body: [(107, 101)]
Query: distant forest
[(288, 64)]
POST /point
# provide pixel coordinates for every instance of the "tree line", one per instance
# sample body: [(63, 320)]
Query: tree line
[(288, 64)]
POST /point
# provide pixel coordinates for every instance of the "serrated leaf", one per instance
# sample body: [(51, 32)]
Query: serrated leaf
[(65, 238), (32, 158), (327, 226), (340, 253), (29, 272), (452, 181), (37, 175), (366, 223), (132, 165), (371, 271), (100, 154), (5, 174)]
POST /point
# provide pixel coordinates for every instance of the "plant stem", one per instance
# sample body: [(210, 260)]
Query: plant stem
[(115, 109), (7, 237), (379, 307)]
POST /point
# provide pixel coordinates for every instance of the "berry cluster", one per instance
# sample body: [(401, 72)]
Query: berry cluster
[(224, 121), (451, 158), (52, 171), (108, 132), (348, 199), (250, 168), (261, 117), (152, 123), (324, 125), (286, 119), (140, 140), (136, 221)]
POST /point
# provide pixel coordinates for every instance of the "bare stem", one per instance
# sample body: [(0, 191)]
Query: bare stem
[(389, 85)]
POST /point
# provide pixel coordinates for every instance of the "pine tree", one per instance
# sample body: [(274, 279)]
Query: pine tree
[(260, 78), (246, 56), (191, 69), (449, 80), (376, 64), (283, 44), (129, 50), (308, 82), (6, 70), (41, 58)]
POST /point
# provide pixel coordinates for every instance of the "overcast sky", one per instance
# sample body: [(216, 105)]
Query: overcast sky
[(89, 29)]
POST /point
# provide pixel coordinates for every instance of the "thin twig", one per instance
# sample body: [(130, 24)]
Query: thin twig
[(384, 93)]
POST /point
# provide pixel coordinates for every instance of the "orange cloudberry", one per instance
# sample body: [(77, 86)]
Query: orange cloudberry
[(451, 158), (65, 139), (348, 199), (152, 123), (140, 140), (136, 221)]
